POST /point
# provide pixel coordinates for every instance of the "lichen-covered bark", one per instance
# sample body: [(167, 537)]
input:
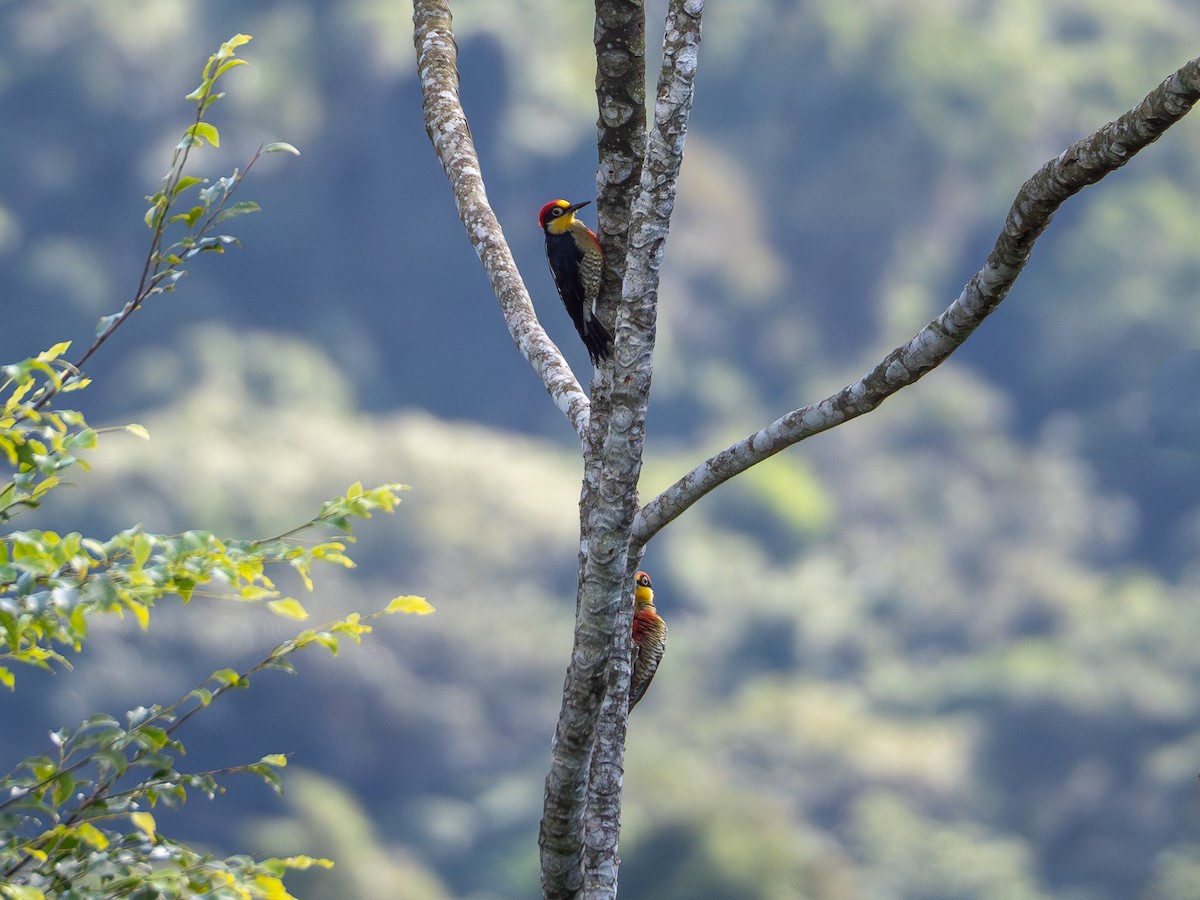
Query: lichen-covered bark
[(582, 810), (447, 126), (612, 429), (620, 41), (1084, 162)]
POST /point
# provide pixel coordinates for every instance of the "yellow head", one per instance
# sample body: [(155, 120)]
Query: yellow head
[(643, 592), (558, 216)]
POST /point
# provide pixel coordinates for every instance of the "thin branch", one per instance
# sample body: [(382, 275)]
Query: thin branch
[(1083, 163), (156, 267), (447, 126)]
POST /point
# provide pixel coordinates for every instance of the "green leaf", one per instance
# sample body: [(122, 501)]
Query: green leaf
[(141, 549), (106, 322), (185, 183), (189, 218), (207, 131), (225, 67), (98, 720), (226, 677), (280, 147), (238, 209), (268, 774), (151, 737), (200, 91), (138, 431), (108, 759), (203, 695)]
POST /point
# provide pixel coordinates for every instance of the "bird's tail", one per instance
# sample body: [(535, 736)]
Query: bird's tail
[(597, 339)]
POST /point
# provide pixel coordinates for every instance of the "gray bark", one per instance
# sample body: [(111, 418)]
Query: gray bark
[(636, 193), (620, 40), (1084, 162), (605, 607), (437, 66)]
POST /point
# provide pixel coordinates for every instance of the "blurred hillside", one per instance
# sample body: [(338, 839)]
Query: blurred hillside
[(945, 651)]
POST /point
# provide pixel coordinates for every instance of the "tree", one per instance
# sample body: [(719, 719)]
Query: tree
[(76, 821), (636, 188)]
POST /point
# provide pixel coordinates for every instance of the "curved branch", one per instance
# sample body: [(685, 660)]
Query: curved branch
[(446, 123), (1084, 162)]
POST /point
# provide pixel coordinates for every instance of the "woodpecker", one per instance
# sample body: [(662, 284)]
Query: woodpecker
[(649, 639), (576, 262)]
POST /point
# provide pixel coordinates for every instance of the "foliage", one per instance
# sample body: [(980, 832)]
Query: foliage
[(75, 822), (164, 267), (59, 832)]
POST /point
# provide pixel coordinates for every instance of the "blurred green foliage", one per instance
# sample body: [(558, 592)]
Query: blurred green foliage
[(947, 650), (76, 822)]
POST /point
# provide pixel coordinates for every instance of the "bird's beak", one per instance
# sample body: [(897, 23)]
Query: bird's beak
[(578, 206)]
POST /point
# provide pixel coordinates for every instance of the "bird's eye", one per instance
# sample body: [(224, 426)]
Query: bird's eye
[(557, 211)]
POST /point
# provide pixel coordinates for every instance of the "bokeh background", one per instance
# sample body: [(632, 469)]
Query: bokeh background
[(949, 650)]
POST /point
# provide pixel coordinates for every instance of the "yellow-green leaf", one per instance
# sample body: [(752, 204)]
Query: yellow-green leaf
[(141, 549), (232, 44), (270, 888), (204, 86), (138, 431), (54, 352), (20, 892), (143, 822), (226, 676), (77, 384), (410, 604), (142, 613), (289, 607), (225, 67), (307, 862), (275, 759), (206, 130), (91, 835), (186, 182)]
